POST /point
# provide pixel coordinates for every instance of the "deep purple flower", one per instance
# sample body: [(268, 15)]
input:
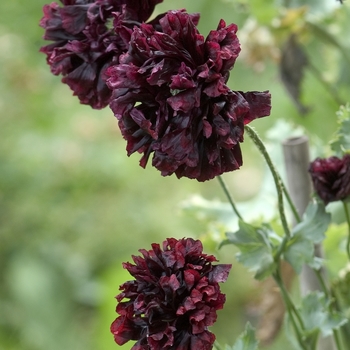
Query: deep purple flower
[(173, 298), (85, 44), (331, 178), (171, 99)]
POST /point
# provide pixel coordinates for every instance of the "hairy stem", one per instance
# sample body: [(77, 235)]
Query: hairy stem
[(277, 179), (217, 346), (337, 339), (229, 197), (290, 202), (327, 293), (347, 216), (291, 309)]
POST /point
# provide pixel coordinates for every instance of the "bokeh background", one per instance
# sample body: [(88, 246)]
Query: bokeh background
[(73, 206)]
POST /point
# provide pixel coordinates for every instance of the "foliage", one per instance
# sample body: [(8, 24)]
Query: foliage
[(256, 249), (300, 249), (316, 316), (245, 341), (341, 142)]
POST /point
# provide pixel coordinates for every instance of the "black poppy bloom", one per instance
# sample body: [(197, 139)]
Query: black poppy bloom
[(173, 298), (171, 99), (84, 43), (331, 178)]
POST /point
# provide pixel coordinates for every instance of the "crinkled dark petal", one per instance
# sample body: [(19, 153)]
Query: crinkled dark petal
[(259, 104), (173, 299), (331, 178), (141, 10), (125, 329), (222, 46), (175, 81), (83, 46), (219, 273), (74, 18)]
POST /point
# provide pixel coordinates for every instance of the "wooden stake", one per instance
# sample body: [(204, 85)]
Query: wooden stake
[(296, 158)]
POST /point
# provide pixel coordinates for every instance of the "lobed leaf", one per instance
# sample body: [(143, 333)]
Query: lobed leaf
[(314, 224), (341, 142), (256, 248), (300, 248), (246, 340), (315, 313)]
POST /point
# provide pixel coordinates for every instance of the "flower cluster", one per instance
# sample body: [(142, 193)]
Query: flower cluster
[(84, 45), (331, 178), (171, 99), (173, 298), (165, 82)]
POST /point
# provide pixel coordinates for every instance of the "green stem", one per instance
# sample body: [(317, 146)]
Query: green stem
[(318, 273), (345, 330), (229, 197), (279, 186), (291, 309), (336, 333), (281, 190), (290, 202), (337, 339), (346, 210), (254, 136), (273, 170), (217, 345), (280, 250), (289, 302)]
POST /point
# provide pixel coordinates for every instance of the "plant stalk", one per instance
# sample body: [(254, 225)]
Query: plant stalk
[(229, 197), (347, 216), (277, 179), (336, 333), (217, 346), (291, 309)]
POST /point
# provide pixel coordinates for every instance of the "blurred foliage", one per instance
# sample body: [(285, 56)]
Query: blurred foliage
[(73, 206)]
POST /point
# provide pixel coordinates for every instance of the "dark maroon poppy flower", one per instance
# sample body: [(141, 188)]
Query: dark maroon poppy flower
[(173, 298), (331, 178), (85, 44), (171, 99)]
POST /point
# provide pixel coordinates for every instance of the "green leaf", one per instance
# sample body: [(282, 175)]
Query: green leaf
[(300, 248), (341, 142), (316, 316), (314, 224), (299, 251), (256, 249), (246, 340)]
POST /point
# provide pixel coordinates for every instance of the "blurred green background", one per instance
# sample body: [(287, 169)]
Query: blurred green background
[(73, 206)]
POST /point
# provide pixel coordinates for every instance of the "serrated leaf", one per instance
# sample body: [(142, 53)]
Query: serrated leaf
[(316, 263), (289, 331), (314, 224), (341, 142), (246, 340), (300, 248), (256, 250), (315, 313), (299, 251)]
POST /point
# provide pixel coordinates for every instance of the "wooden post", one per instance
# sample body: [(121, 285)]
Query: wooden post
[(296, 158)]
